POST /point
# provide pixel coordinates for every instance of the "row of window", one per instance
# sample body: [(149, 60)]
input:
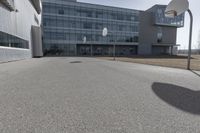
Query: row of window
[(97, 50), (90, 37), (12, 41), (161, 19), (64, 23), (69, 50), (55, 49), (88, 25), (89, 12)]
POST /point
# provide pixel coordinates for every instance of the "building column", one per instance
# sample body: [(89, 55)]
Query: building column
[(114, 52), (76, 49), (171, 50), (91, 50)]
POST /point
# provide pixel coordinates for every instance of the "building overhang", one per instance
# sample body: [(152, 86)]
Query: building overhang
[(169, 25), (165, 44), (9, 4), (37, 5)]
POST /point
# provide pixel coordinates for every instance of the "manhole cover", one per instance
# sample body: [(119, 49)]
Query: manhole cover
[(73, 62)]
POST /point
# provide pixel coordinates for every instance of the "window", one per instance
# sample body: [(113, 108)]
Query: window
[(89, 37), (72, 24), (60, 23), (135, 39), (97, 38), (61, 36), (122, 28), (61, 11), (79, 37), (47, 35), (159, 35), (44, 23), (72, 37), (87, 25), (120, 17), (99, 14), (113, 16), (12, 41), (98, 26), (45, 9), (134, 28)]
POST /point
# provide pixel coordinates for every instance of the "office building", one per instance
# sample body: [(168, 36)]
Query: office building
[(72, 28)]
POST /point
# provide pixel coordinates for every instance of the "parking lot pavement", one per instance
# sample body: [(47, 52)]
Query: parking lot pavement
[(88, 95)]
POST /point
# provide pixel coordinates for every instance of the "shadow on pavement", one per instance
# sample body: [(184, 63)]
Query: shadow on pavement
[(180, 97), (195, 73), (159, 57)]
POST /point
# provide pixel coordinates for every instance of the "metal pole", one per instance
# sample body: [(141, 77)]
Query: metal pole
[(91, 50), (171, 50), (190, 39), (114, 52)]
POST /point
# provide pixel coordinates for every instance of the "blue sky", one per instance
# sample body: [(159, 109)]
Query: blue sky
[(183, 33)]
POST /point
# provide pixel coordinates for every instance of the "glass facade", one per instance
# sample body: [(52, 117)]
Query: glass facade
[(7, 40), (160, 18), (66, 23)]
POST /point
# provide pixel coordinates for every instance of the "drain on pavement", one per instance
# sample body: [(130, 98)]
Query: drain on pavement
[(73, 62)]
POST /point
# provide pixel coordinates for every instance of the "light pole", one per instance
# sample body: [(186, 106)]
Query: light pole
[(190, 39), (84, 40), (104, 34), (175, 8), (114, 51)]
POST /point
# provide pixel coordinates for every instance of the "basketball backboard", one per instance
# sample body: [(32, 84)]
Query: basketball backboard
[(84, 39), (105, 32), (176, 8)]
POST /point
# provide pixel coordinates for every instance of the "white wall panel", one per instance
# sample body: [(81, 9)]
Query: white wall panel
[(18, 23)]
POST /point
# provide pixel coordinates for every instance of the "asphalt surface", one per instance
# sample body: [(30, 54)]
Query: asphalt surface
[(88, 95)]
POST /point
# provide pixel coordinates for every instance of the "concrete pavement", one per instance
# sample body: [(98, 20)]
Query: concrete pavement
[(88, 95)]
